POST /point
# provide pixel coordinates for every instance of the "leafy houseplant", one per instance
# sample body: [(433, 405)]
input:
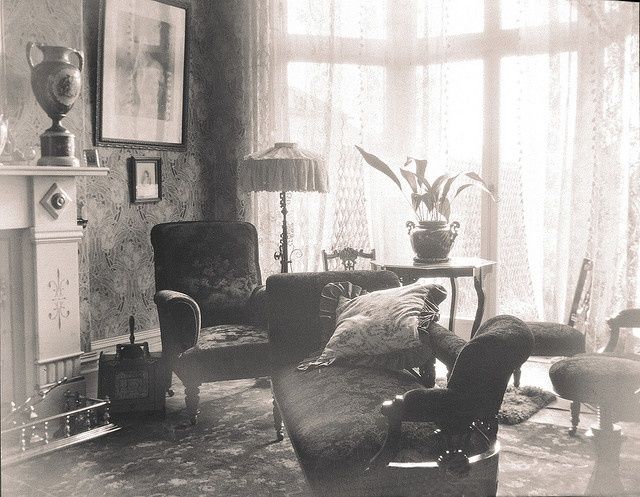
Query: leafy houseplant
[(431, 202)]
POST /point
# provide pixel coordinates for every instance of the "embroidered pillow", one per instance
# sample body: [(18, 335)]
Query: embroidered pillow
[(378, 329)]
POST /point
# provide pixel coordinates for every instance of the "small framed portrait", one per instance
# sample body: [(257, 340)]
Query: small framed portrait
[(145, 179), (91, 157)]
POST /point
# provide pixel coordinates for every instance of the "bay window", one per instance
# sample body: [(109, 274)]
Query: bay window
[(538, 97)]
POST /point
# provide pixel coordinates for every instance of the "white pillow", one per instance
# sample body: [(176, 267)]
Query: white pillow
[(380, 323)]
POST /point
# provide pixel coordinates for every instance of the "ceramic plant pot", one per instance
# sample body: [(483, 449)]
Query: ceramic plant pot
[(432, 240)]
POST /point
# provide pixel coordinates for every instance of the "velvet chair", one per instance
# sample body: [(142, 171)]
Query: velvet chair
[(557, 339), (468, 406), (610, 381), (210, 303), (333, 417)]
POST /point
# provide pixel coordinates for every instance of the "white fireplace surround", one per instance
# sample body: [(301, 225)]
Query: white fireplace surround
[(39, 296)]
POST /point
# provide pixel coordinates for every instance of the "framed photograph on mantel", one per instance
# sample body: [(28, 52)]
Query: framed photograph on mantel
[(145, 179), (142, 90)]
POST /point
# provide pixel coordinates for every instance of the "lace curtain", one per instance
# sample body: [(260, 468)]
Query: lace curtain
[(569, 161), (539, 97)]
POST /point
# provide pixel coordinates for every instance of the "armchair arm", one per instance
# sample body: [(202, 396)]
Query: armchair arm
[(180, 321), (446, 408), (257, 306)]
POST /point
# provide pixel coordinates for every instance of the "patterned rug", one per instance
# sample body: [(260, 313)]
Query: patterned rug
[(231, 453)]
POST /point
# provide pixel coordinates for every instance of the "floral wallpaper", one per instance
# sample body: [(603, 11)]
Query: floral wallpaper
[(116, 258)]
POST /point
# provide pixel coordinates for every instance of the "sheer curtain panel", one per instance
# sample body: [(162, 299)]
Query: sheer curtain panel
[(538, 97)]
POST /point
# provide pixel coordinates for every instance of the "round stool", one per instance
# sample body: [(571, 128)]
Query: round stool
[(610, 382)]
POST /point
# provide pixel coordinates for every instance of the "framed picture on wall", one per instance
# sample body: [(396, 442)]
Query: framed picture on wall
[(145, 179), (142, 84)]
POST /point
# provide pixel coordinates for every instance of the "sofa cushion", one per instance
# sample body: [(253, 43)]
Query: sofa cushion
[(226, 351), (230, 335), (293, 302), (378, 329)]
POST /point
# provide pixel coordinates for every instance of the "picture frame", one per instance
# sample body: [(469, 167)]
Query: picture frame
[(145, 179), (91, 157), (142, 75)]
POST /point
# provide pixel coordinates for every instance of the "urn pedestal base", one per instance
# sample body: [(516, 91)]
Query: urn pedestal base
[(58, 148)]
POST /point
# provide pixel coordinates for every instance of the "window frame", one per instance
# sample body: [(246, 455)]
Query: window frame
[(491, 45)]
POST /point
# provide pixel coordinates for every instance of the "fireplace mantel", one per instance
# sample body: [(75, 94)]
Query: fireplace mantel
[(39, 297), (30, 170)]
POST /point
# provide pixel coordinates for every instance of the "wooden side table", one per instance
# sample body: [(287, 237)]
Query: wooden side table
[(456, 267)]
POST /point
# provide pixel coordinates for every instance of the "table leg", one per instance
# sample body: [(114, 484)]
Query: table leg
[(452, 310), (477, 283)]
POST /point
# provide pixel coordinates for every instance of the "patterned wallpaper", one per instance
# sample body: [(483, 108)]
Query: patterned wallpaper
[(116, 258)]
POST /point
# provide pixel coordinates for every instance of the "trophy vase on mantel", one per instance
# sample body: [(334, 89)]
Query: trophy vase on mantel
[(56, 84)]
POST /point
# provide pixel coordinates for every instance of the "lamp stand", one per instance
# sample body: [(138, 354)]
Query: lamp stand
[(283, 250)]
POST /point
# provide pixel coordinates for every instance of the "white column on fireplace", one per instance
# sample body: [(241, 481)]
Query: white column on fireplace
[(39, 296)]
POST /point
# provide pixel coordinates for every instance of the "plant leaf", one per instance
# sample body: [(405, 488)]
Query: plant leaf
[(376, 163), (437, 184), (421, 169), (416, 198), (462, 188), (482, 184), (411, 178), (427, 198), (444, 208), (447, 185)]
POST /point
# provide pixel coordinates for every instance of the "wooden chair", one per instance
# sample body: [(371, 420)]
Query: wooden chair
[(556, 339), (348, 257), (610, 381)]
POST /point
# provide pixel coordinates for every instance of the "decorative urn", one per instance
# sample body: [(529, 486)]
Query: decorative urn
[(432, 240), (56, 84)]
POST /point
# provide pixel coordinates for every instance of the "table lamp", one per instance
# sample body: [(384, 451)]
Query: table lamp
[(283, 168)]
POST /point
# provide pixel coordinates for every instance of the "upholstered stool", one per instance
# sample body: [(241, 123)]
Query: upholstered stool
[(610, 382)]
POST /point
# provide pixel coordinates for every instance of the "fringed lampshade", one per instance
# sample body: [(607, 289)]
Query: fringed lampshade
[(283, 168)]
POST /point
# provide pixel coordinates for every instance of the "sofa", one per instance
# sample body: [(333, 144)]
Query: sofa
[(362, 431)]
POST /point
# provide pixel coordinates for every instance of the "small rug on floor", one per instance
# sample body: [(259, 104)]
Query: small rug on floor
[(230, 453), (519, 404)]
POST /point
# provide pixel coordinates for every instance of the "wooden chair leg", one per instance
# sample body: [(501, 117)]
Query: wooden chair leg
[(516, 378), (277, 422), (192, 399), (575, 418)]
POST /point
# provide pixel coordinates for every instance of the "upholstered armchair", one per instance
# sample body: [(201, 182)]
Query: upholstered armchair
[(210, 303)]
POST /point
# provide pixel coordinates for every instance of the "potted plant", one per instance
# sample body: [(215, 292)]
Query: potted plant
[(432, 239)]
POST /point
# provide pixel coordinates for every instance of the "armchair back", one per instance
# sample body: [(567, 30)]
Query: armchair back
[(482, 370), (293, 308), (214, 262)]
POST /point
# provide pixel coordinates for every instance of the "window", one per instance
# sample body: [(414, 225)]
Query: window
[(490, 86)]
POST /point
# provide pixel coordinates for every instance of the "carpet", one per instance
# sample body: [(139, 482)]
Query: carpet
[(230, 453)]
